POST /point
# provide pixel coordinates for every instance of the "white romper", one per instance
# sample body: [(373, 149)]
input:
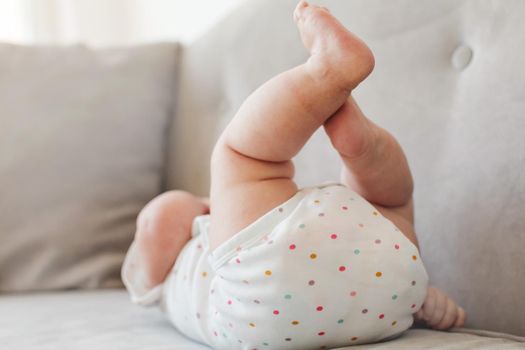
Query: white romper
[(324, 269)]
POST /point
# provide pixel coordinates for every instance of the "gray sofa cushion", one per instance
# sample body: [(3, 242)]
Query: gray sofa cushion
[(460, 120), (82, 136), (107, 320)]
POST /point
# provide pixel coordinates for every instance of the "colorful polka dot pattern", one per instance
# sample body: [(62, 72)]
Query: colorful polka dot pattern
[(334, 273)]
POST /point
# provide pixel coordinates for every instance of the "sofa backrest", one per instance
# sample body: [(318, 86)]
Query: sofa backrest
[(82, 148), (448, 83)]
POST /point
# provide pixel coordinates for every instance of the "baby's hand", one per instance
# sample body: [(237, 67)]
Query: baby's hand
[(440, 312)]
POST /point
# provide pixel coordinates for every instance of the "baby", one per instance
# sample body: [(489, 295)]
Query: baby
[(277, 267)]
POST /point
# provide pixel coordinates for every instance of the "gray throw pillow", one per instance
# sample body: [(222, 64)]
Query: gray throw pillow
[(82, 148)]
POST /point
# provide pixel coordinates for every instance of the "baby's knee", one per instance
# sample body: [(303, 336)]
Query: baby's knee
[(168, 209)]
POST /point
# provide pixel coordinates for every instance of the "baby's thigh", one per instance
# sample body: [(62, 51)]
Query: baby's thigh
[(243, 189)]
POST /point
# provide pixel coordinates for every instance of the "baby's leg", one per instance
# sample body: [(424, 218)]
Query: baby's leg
[(163, 228), (251, 164), (374, 164)]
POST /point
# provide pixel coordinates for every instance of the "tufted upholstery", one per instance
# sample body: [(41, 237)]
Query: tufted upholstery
[(448, 84)]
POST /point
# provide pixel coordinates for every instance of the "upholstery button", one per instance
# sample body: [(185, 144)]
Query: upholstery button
[(461, 57)]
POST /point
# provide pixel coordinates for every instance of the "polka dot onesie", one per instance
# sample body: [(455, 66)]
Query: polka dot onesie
[(322, 270)]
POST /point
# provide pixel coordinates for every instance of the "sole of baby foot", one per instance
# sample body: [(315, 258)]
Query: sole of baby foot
[(337, 55)]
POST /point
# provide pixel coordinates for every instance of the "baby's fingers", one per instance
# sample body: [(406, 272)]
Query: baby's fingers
[(451, 314), (460, 321), (435, 315), (428, 306)]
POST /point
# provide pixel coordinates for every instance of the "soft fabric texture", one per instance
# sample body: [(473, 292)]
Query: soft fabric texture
[(448, 83), (105, 320), (322, 269), (82, 148)]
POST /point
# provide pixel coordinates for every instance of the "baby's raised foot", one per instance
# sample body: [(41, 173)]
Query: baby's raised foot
[(337, 56)]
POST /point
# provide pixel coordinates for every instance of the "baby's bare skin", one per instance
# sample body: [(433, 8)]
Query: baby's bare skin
[(252, 158)]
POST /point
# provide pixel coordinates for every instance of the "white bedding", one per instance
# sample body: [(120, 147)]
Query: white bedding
[(105, 319)]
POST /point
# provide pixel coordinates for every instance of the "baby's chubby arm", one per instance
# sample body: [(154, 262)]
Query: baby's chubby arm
[(439, 311)]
